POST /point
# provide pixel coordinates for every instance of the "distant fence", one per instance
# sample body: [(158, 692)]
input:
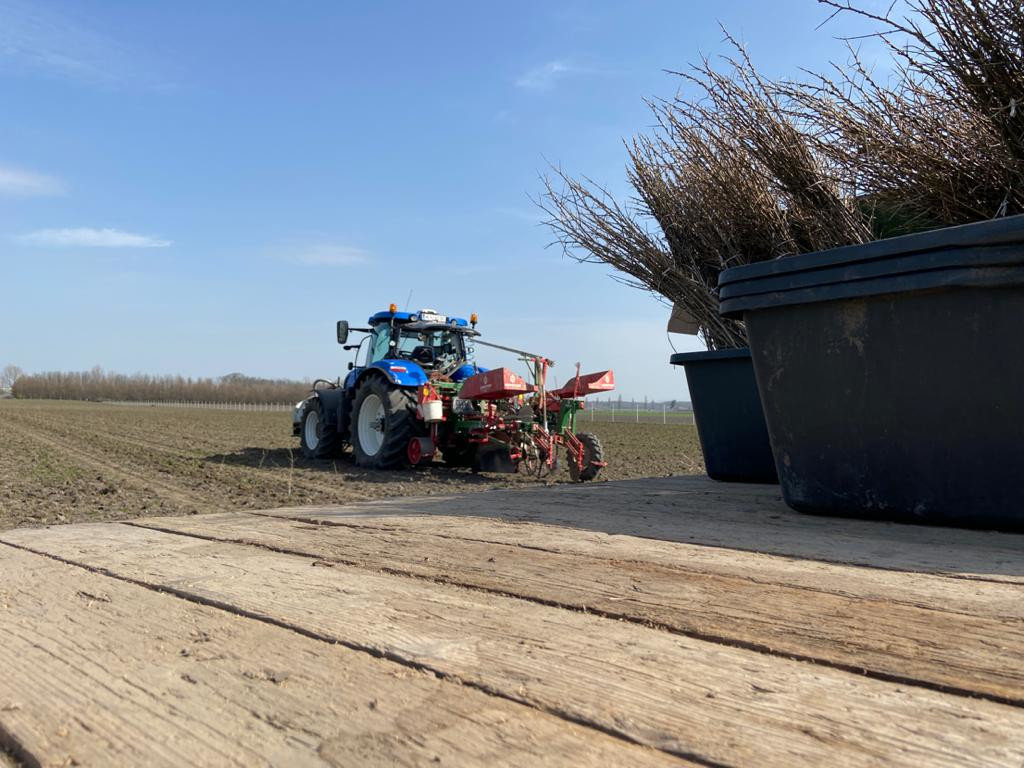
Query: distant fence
[(612, 414), (636, 415)]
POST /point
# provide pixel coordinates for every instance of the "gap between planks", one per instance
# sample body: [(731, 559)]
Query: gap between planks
[(683, 696)]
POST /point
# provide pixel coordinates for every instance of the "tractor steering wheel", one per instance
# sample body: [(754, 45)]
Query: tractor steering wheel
[(423, 355)]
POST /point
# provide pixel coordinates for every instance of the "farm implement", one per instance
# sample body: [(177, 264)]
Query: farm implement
[(414, 391)]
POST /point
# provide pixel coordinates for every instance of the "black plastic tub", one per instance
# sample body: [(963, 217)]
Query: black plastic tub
[(730, 421), (892, 374)]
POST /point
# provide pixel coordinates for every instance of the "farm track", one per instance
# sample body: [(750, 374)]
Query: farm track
[(69, 462)]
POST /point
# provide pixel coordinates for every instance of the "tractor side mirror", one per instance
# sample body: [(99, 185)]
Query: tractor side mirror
[(342, 331)]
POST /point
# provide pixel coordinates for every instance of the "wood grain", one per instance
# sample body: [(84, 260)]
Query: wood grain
[(753, 518), (974, 597), (896, 639), (100, 672), (674, 693)]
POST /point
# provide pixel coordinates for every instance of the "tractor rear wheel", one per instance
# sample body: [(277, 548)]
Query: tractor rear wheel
[(383, 422), (592, 451), (318, 438)]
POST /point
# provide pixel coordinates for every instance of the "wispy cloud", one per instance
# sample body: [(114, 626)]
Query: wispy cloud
[(35, 37), (29, 184), (329, 255), (89, 237), (547, 75)]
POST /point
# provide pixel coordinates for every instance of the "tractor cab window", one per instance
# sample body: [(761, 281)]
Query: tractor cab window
[(438, 349), (380, 343)]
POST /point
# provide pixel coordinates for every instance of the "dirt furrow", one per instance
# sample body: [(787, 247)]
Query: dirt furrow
[(178, 495), (116, 462)]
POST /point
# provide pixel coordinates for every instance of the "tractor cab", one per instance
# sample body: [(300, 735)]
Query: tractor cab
[(434, 342)]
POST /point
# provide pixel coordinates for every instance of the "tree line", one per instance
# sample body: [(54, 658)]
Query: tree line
[(100, 385)]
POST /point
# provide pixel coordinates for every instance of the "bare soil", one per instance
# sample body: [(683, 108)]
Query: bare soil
[(75, 462)]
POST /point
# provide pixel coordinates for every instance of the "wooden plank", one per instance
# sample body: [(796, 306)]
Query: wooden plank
[(697, 510), (975, 597), (898, 640), (674, 693), (100, 672)]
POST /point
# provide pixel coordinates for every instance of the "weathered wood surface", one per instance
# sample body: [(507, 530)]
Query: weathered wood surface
[(995, 599), (674, 693), (96, 671), (734, 516), (827, 618)]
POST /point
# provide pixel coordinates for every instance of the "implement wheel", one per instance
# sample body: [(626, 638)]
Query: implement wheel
[(592, 452), (383, 422)]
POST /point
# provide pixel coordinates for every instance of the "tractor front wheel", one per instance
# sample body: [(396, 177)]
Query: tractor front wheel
[(383, 422), (318, 438), (593, 458)]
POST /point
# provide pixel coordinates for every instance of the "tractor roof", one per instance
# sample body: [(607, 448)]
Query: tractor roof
[(429, 316)]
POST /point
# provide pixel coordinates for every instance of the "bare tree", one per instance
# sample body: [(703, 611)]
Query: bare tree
[(8, 375)]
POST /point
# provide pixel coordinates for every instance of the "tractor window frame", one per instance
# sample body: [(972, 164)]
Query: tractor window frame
[(379, 347)]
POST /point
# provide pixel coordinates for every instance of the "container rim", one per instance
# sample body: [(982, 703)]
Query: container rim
[(682, 358), (983, 233)]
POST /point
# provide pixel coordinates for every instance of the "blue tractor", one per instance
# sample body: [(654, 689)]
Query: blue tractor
[(375, 408), (414, 389)]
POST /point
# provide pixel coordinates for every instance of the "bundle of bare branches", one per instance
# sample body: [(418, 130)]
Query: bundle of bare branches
[(728, 178), (752, 170), (942, 141), (592, 227)]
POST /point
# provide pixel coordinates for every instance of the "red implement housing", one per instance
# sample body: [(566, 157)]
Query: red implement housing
[(587, 384), (496, 384)]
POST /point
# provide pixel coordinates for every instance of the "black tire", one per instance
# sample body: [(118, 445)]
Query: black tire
[(399, 425), (461, 456), (592, 451), (320, 440)]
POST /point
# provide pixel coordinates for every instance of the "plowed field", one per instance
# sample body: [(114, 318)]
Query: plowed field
[(73, 462)]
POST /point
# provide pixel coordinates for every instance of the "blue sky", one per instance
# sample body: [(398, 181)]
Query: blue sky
[(202, 188)]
